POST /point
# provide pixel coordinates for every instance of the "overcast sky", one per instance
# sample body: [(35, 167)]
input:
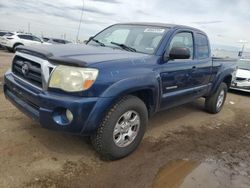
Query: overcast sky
[(225, 21)]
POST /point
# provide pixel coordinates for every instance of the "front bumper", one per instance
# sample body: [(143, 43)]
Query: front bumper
[(6, 43), (43, 106)]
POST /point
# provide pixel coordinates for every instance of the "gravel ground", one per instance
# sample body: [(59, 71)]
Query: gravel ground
[(183, 147)]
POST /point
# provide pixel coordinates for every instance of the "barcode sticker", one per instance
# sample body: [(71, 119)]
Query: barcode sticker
[(154, 30)]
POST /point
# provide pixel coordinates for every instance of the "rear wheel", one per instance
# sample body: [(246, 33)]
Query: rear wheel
[(122, 129), (215, 102)]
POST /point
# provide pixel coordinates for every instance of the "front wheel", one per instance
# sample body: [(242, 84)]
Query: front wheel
[(122, 129), (215, 102), (9, 49)]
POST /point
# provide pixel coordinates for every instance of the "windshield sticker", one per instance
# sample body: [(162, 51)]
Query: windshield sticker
[(154, 30)]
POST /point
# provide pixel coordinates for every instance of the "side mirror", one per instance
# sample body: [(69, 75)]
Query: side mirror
[(179, 53)]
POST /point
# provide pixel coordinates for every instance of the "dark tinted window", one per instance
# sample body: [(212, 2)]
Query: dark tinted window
[(36, 39), (202, 46), (26, 37), (59, 41), (45, 39), (9, 34), (2, 33)]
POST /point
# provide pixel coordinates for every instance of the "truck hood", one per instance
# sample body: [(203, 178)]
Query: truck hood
[(242, 73), (79, 55)]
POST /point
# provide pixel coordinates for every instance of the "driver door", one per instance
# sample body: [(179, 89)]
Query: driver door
[(175, 74)]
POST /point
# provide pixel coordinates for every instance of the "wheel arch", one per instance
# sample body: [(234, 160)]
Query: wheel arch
[(226, 78), (16, 44)]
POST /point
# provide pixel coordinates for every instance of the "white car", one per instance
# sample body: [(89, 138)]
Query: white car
[(242, 81), (2, 33), (55, 41), (12, 40)]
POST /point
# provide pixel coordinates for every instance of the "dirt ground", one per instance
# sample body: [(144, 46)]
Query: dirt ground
[(183, 147)]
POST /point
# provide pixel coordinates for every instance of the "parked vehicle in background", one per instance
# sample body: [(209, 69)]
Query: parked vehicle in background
[(242, 81), (12, 40), (55, 41), (109, 88), (2, 33)]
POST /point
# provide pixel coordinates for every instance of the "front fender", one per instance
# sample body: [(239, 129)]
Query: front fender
[(133, 84), (116, 91)]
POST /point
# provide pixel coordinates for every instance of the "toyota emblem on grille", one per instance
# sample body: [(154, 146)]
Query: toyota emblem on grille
[(25, 69)]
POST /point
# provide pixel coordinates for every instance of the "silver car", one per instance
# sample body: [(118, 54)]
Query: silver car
[(242, 80)]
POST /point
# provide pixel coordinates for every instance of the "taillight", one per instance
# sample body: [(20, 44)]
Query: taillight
[(9, 38)]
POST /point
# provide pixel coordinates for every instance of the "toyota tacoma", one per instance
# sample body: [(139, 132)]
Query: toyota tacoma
[(109, 87)]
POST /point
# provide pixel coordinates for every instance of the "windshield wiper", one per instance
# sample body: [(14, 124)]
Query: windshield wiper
[(98, 42), (124, 46)]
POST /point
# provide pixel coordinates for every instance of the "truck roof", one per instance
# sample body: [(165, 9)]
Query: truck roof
[(161, 25)]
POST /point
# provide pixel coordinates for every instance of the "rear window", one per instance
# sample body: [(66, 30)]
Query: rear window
[(2, 33), (9, 34), (202, 46)]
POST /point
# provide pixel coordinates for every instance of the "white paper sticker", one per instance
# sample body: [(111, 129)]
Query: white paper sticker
[(154, 30)]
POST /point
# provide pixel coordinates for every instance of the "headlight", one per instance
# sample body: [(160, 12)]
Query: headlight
[(72, 79)]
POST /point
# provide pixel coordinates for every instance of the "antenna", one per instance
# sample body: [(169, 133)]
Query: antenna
[(77, 36)]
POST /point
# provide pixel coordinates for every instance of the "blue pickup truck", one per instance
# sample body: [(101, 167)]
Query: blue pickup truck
[(109, 87)]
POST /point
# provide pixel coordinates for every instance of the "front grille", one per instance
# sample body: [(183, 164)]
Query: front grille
[(27, 70), (240, 79)]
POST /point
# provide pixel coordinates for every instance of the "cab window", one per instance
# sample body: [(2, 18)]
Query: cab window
[(202, 46)]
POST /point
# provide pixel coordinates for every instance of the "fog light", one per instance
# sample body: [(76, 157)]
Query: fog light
[(62, 116), (69, 115)]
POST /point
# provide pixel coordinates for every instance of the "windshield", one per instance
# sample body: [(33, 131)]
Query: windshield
[(144, 39), (243, 64)]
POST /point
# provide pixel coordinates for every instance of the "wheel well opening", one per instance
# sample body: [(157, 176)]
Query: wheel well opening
[(228, 80), (16, 44), (147, 97)]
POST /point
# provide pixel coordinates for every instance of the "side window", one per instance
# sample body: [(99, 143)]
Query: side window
[(183, 39), (45, 39), (59, 41), (22, 36), (26, 37), (202, 46), (36, 39)]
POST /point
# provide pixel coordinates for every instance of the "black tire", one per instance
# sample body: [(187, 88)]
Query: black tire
[(211, 103), (15, 46), (103, 140), (9, 49)]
